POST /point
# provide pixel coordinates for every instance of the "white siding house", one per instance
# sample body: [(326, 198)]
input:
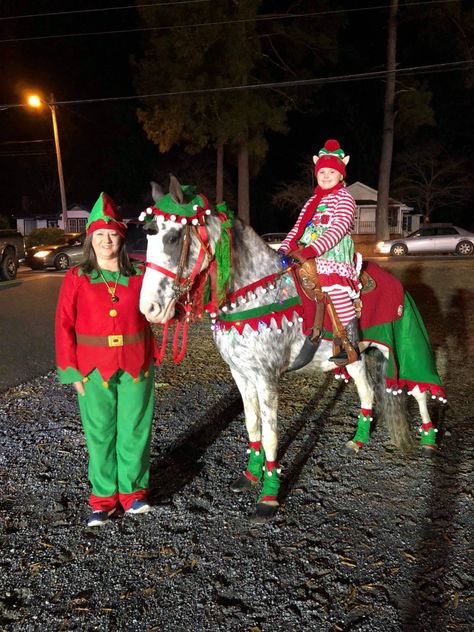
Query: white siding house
[(402, 218), (77, 217)]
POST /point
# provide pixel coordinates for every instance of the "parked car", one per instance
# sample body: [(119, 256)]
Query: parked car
[(135, 240), (59, 256), (274, 239), (440, 238), (12, 253), (63, 256)]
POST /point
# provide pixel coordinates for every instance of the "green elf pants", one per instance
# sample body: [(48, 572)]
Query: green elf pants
[(117, 418)]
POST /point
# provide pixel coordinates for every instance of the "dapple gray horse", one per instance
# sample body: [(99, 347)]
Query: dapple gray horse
[(256, 359)]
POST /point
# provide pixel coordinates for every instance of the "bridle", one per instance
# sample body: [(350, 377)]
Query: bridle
[(182, 285)]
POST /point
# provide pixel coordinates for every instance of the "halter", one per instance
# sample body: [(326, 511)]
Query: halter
[(182, 285)]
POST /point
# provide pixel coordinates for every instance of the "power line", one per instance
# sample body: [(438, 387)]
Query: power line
[(24, 142), (258, 18), (420, 70), (125, 7)]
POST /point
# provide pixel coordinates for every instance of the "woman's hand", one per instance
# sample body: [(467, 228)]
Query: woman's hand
[(79, 386)]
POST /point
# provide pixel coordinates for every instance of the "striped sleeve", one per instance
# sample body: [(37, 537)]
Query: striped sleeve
[(289, 242), (341, 225)]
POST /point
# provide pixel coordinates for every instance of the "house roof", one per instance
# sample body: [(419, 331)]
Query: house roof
[(366, 196)]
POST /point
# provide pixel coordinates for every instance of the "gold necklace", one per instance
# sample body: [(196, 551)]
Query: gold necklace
[(111, 290)]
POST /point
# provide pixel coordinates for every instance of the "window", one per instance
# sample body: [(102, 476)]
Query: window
[(76, 224), (446, 230)]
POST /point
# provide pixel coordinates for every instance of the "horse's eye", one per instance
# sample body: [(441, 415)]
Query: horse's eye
[(172, 239), (151, 230)]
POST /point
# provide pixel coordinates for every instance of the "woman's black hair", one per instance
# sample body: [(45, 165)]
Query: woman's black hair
[(89, 260)]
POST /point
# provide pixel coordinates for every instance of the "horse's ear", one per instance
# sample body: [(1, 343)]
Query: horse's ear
[(176, 191), (156, 191)]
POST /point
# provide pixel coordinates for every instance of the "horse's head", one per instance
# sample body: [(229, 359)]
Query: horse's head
[(182, 233)]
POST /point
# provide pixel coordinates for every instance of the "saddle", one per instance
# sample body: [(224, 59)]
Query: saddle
[(308, 278)]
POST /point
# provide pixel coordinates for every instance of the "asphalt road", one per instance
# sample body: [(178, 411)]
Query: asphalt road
[(27, 307)]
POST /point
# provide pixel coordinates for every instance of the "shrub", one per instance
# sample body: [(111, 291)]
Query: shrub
[(44, 237)]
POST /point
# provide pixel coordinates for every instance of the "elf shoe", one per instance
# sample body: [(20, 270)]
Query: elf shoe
[(99, 518)]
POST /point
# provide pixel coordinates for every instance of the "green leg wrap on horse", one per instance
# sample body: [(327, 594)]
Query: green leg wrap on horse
[(255, 464), (428, 435), (271, 485), (362, 434)]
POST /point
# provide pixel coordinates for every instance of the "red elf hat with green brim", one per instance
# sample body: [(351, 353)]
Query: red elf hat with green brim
[(104, 215), (331, 156), (192, 210)]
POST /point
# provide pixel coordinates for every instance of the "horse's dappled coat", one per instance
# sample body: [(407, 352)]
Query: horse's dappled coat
[(257, 358)]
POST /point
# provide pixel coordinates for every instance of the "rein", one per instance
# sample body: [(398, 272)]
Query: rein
[(182, 285)]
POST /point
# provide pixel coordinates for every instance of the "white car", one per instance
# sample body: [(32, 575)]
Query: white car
[(274, 239), (432, 238)]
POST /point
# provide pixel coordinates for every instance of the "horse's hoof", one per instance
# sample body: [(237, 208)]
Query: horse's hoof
[(242, 484), (264, 512), (429, 451), (351, 448)]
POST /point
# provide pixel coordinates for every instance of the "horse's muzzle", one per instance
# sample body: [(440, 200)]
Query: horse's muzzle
[(156, 314)]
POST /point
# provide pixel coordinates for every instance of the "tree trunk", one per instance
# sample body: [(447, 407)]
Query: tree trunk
[(381, 220), (219, 172), (243, 205)]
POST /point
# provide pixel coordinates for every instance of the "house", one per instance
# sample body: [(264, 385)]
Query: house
[(77, 216), (402, 219)]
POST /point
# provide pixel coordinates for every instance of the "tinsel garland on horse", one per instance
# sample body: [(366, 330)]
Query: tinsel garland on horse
[(202, 260)]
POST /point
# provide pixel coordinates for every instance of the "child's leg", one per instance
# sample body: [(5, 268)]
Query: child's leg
[(343, 306)]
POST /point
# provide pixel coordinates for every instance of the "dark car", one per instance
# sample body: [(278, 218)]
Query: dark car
[(59, 256), (432, 238), (63, 256), (12, 253), (135, 240)]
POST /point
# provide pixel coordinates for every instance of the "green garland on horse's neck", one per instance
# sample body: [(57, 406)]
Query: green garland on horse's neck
[(223, 253)]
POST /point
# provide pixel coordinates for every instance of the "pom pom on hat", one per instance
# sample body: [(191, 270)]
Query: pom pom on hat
[(331, 156), (331, 145)]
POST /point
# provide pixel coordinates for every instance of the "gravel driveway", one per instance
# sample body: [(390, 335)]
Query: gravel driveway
[(377, 542)]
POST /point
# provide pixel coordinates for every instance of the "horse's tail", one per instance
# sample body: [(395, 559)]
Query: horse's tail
[(391, 409)]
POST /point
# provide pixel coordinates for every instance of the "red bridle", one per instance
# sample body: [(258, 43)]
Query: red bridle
[(183, 284)]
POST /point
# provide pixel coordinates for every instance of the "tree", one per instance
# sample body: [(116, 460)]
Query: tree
[(381, 218), (430, 179), (237, 50)]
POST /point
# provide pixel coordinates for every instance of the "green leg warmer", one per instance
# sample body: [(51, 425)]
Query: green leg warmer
[(428, 435), (271, 483), (362, 434), (254, 470)]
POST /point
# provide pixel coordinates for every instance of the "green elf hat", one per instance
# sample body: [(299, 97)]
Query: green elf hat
[(104, 215), (331, 156), (192, 210)]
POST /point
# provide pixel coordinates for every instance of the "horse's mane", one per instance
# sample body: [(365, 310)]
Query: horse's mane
[(252, 258)]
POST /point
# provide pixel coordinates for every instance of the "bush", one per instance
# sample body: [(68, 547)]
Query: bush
[(45, 237), (4, 222)]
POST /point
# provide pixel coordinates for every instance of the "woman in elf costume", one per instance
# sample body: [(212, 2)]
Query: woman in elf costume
[(323, 230), (106, 350)]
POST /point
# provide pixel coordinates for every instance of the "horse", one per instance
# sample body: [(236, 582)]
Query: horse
[(259, 329)]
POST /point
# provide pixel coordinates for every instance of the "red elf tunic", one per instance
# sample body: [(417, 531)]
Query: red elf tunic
[(94, 333)]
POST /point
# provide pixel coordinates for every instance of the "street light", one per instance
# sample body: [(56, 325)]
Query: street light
[(35, 101)]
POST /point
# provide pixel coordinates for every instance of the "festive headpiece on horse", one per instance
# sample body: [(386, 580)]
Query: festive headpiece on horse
[(331, 156), (104, 215), (181, 205)]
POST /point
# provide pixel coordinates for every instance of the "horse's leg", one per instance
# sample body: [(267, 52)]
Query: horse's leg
[(267, 505), (254, 471), (358, 372), (427, 430)]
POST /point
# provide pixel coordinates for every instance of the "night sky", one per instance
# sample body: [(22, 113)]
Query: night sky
[(104, 147)]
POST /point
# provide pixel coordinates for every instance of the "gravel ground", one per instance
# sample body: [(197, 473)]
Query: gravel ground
[(376, 542)]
